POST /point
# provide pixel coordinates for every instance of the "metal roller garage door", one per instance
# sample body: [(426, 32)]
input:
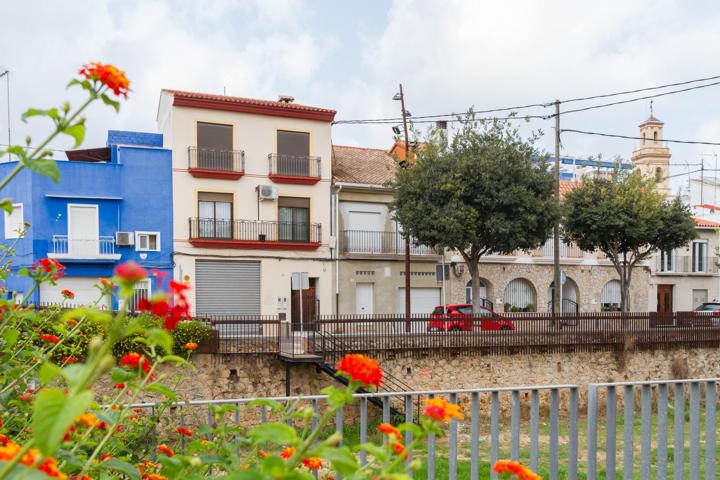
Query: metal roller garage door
[(422, 300), (83, 287), (225, 288)]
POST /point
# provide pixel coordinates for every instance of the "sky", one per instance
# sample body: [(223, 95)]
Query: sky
[(351, 56)]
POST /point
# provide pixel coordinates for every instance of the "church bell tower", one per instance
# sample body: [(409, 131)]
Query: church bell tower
[(652, 158)]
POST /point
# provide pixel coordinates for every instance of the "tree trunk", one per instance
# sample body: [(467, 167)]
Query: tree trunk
[(474, 269), (624, 286)]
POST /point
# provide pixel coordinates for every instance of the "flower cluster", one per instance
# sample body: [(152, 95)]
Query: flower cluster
[(517, 469), (67, 294), (312, 463), (441, 410), (137, 361), (9, 449), (47, 337), (108, 75), (48, 268), (362, 369), (390, 430)]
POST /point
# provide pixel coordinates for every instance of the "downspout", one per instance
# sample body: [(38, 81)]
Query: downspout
[(337, 249)]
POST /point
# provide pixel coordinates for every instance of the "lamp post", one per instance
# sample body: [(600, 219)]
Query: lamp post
[(401, 97)]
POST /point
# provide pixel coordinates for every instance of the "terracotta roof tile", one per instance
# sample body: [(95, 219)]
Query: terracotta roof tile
[(567, 187), (705, 223), (372, 166)]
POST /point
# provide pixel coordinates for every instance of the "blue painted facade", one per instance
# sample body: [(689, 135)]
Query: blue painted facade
[(131, 191)]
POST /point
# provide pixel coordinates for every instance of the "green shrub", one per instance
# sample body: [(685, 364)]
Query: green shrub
[(133, 343), (190, 331)]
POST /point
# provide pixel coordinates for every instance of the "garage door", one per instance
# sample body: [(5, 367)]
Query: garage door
[(422, 300), (227, 288), (83, 288)]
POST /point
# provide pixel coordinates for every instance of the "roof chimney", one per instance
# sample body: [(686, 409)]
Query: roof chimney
[(286, 98)]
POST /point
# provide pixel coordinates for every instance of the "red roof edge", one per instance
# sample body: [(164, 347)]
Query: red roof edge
[(705, 223)]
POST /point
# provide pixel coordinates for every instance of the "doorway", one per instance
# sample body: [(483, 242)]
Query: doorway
[(665, 298), (309, 308), (364, 298)]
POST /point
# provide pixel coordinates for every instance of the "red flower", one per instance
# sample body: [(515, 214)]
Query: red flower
[(287, 452), (515, 468), (388, 429), (184, 431), (399, 449), (108, 75), (361, 369), (313, 463), (119, 386), (69, 359), (105, 456), (106, 283), (50, 267), (130, 272), (135, 360), (441, 410), (49, 338), (67, 294), (162, 448), (157, 306)]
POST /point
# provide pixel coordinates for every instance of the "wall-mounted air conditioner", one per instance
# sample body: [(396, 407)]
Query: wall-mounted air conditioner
[(267, 192), (124, 239)]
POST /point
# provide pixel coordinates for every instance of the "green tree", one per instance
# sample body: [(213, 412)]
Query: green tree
[(487, 190), (628, 220)]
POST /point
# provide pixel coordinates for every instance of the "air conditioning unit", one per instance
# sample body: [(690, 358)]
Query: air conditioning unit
[(267, 192), (124, 239)]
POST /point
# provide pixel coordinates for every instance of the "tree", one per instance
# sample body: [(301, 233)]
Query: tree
[(628, 220), (486, 191)]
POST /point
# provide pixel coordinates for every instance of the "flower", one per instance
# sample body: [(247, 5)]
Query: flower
[(119, 386), (87, 420), (388, 429), (69, 359), (263, 453), (9, 449), (135, 360), (517, 469), (313, 463), (106, 283), (49, 267), (399, 448), (67, 294), (191, 346), (105, 456), (162, 448), (108, 75), (49, 338), (361, 369), (184, 431), (130, 272), (441, 410), (72, 322), (153, 476), (287, 452), (50, 468)]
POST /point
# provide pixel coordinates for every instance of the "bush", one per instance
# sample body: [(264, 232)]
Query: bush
[(190, 331)]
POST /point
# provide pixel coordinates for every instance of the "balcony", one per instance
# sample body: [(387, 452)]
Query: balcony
[(685, 265), (254, 234), (566, 250), (294, 169), (362, 242), (212, 163), (99, 249)]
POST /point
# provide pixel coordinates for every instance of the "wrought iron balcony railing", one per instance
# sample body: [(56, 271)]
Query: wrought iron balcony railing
[(294, 166), (379, 242), (255, 231), (203, 159), (102, 247)]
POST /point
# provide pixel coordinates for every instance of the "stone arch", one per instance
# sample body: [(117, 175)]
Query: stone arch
[(486, 290), (570, 296), (610, 298), (520, 296)]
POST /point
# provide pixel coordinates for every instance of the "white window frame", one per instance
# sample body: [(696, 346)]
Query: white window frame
[(137, 242), (698, 260), (15, 232), (132, 303), (667, 261)]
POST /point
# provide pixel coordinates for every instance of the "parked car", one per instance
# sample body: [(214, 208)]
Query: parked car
[(459, 318), (711, 310)]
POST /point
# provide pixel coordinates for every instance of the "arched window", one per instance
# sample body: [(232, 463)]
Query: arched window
[(468, 291), (610, 297), (654, 135), (519, 296)]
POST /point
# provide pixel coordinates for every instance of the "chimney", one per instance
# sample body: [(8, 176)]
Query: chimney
[(286, 98)]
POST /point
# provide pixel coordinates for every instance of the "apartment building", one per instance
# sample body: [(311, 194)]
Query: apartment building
[(252, 183), (111, 205)]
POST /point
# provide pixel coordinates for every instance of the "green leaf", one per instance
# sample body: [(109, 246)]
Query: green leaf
[(120, 466), (341, 459), (48, 371), (35, 112), (118, 375), (263, 402), (277, 433), (174, 358), (109, 101), (11, 337), (45, 167), (161, 338), (7, 205), (74, 373), (76, 131), (53, 413), (162, 389)]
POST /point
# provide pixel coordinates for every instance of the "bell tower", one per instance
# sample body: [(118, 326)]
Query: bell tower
[(652, 158)]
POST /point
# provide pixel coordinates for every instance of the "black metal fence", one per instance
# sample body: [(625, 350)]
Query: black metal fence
[(294, 165), (254, 230), (203, 158)]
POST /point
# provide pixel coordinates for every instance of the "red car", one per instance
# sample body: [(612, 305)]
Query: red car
[(459, 318)]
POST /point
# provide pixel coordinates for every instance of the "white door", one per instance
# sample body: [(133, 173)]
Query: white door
[(365, 232), (83, 230), (699, 297), (83, 287), (422, 300), (364, 298)]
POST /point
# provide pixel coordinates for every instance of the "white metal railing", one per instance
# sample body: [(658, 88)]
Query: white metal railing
[(82, 247), (566, 250)]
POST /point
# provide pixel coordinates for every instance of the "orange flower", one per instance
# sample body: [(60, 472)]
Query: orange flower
[(72, 322), (106, 283), (50, 468), (388, 429), (105, 456), (153, 476), (263, 453), (109, 75), (184, 431), (87, 419), (313, 463), (49, 338), (515, 468), (162, 448), (398, 448), (361, 369), (441, 410), (191, 346), (135, 360), (287, 452)]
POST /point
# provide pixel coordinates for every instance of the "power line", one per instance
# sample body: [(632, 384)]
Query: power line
[(628, 137), (31, 147), (449, 120), (626, 92)]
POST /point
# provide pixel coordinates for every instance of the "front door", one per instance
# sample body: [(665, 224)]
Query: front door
[(83, 229), (364, 298), (664, 298), (309, 308)]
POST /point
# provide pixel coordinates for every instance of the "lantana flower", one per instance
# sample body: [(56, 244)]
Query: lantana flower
[(441, 410), (162, 448), (130, 272), (108, 75), (517, 469), (67, 294), (287, 452), (313, 463), (184, 431), (191, 346), (47, 337), (135, 360), (362, 369), (389, 430)]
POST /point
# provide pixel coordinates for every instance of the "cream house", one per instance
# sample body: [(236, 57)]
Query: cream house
[(252, 181)]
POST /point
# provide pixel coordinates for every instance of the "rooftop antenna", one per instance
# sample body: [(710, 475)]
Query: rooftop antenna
[(651, 108)]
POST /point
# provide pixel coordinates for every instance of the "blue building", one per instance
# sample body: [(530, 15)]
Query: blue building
[(573, 169), (111, 205)]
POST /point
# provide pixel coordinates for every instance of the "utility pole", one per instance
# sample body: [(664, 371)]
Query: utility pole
[(407, 237), (6, 74), (556, 231)]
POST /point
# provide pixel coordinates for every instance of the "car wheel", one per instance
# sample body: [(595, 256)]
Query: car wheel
[(454, 329), (505, 328)]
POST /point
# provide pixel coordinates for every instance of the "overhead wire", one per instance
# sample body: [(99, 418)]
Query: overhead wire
[(629, 137)]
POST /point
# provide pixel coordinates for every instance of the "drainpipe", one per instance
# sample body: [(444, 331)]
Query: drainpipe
[(337, 249)]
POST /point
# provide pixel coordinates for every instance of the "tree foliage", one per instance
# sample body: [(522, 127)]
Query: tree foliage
[(487, 190), (627, 219)]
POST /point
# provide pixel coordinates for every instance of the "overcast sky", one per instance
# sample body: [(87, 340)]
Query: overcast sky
[(350, 56)]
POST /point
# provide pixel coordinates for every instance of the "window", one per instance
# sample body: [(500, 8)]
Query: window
[(142, 291), (215, 215), (294, 219), (667, 261), (655, 136), (14, 221), (215, 144), (293, 150), (610, 297), (699, 256), (147, 241)]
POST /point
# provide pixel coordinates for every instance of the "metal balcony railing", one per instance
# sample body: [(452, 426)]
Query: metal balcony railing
[(204, 158), (380, 242), (82, 247), (566, 250), (686, 264), (294, 165), (254, 230)]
